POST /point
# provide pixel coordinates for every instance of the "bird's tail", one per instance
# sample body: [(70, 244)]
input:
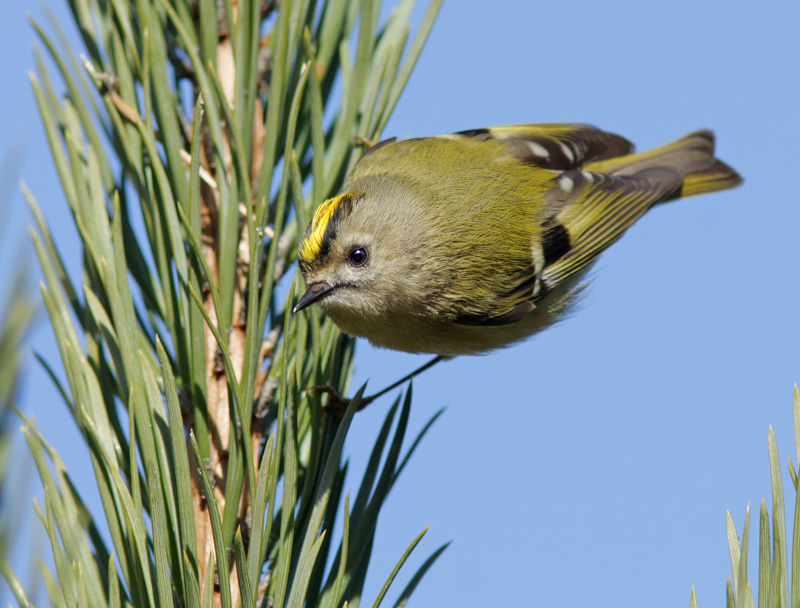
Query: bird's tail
[(691, 156)]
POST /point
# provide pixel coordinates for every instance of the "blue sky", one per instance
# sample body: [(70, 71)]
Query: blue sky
[(595, 462)]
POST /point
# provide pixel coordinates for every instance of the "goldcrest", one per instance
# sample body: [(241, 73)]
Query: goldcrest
[(465, 243)]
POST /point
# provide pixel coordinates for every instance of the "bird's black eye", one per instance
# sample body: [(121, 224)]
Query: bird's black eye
[(358, 256)]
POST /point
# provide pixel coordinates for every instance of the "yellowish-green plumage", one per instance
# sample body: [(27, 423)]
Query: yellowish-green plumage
[(464, 243)]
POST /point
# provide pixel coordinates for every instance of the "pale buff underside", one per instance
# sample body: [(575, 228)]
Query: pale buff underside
[(415, 334)]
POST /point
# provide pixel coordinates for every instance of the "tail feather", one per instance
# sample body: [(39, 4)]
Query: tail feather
[(691, 156), (718, 176)]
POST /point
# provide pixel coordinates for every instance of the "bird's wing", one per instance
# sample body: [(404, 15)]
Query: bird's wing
[(558, 147), (591, 207)]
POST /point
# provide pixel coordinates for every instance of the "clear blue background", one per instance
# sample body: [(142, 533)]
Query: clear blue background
[(594, 463)]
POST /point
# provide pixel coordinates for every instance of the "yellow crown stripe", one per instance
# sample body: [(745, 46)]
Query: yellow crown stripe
[(312, 243)]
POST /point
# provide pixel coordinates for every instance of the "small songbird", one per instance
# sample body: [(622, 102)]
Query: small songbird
[(465, 243)]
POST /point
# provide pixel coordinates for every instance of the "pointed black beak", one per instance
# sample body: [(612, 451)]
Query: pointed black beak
[(315, 293)]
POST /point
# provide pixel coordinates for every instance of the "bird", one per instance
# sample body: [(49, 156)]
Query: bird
[(465, 243)]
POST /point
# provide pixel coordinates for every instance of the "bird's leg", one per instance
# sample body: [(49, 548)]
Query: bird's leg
[(339, 404)]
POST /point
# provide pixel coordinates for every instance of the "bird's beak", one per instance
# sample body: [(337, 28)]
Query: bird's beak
[(316, 291)]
